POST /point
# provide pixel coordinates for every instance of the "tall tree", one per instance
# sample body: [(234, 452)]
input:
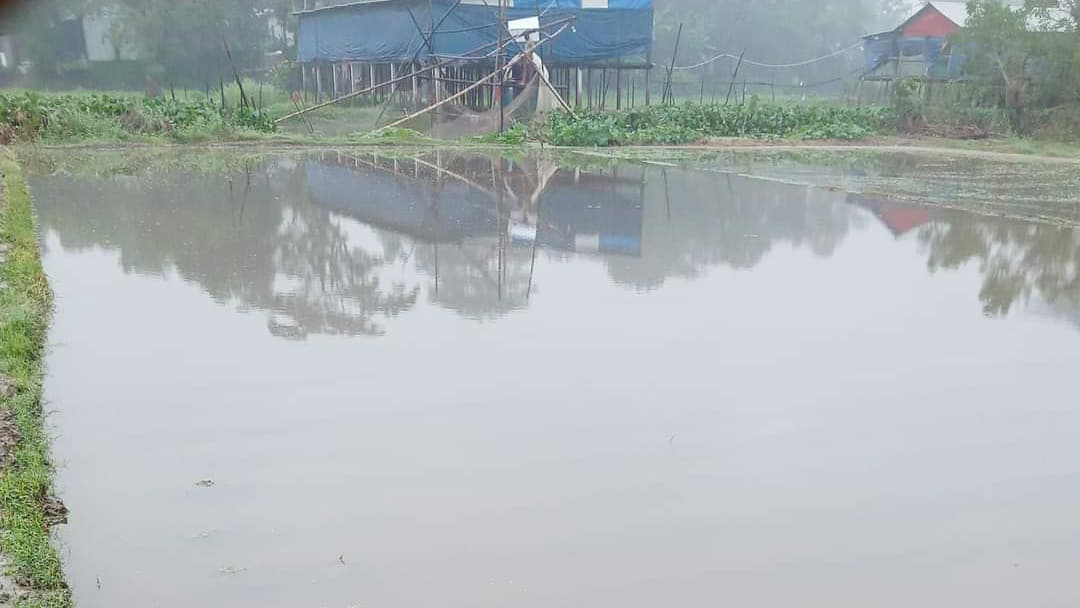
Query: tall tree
[(186, 39)]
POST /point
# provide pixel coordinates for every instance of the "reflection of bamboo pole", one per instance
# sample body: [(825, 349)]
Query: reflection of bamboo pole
[(439, 172), (536, 245), (470, 88)]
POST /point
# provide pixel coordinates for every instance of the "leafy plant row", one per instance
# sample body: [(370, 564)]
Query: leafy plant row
[(694, 122)]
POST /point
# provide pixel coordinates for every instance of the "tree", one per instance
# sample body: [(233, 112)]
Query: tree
[(185, 40), (1025, 56), (1000, 46), (45, 28)]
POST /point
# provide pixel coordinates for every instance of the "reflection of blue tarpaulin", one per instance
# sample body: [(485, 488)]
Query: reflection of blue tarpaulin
[(402, 204), (597, 210), (598, 207), (383, 31)]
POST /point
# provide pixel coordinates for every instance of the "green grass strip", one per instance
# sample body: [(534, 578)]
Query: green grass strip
[(27, 474)]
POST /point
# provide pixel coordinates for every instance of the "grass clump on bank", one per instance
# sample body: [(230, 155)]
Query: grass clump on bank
[(27, 508), (690, 123), (30, 116)]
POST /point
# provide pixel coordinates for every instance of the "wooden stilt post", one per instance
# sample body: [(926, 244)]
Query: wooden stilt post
[(606, 83), (577, 89), (648, 79), (416, 85), (618, 87), (304, 82), (589, 87), (393, 75), (352, 81)]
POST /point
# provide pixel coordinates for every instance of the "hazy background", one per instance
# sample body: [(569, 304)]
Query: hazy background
[(120, 44)]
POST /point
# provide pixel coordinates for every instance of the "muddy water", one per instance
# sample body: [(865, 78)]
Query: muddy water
[(358, 380)]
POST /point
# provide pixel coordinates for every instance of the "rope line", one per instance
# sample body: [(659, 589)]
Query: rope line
[(769, 65)]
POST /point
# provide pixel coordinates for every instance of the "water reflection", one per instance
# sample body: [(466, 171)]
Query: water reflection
[(1018, 260), (342, 243)]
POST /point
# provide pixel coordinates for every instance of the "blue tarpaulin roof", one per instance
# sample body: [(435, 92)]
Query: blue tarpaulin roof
[(383, 31)]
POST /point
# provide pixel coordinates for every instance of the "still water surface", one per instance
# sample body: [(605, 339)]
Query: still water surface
[(470, 381)]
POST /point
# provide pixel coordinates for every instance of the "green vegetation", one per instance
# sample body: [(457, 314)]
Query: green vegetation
[(694, 123), (1022, 62), (26, 506), (514, 135), (31, 116)]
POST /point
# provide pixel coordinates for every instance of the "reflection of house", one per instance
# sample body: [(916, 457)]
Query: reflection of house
[(920, 46), (899, 218)]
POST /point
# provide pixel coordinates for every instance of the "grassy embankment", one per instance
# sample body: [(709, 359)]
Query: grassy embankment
[(88, 118), (27, 509)]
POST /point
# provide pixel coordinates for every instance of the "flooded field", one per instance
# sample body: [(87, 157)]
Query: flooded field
[(362, 379)]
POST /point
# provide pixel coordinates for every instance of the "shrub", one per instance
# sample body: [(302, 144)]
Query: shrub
[(30, 116)]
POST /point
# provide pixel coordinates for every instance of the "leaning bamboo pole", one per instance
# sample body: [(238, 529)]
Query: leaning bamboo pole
[(555, 92), (351, 95)]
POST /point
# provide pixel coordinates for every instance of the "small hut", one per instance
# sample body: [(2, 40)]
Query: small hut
[(920, 47), (354, 46)]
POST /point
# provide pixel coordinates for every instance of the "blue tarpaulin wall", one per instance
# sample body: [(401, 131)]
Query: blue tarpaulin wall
[(938, 60), (383, 31)]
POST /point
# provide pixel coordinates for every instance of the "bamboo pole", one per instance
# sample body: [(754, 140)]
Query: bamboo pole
[(731, 85), (500, 58), (555, 92), (669, 95)]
